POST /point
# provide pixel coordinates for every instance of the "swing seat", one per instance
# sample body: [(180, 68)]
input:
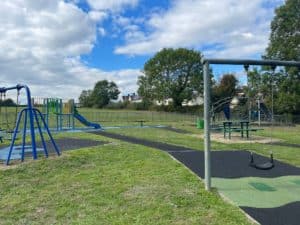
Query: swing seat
[(262, 166)]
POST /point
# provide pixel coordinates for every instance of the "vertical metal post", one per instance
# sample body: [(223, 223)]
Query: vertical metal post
[(72, 112), (31, 123), (60, 108), (272, 93), (47, 111), (207, 126), (41, 133), (11, 148), (246, 67), (24, 136), (258, 106), (48, 131)]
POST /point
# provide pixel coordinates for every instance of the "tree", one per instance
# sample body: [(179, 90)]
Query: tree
[(100, 96), (171, 73), (7, 102), (85, 98), (103, 92), (227, 87), (285, 45), (285, 36)]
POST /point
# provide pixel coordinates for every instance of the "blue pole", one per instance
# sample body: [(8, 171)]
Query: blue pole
[(14, 136), (49, 134), (24, 136), (31, 120), (41, 133)]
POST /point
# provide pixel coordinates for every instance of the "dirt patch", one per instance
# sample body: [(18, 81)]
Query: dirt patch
[(218, 137)]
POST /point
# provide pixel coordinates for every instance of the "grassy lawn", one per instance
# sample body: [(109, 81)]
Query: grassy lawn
[(288, 134), (118, 183)]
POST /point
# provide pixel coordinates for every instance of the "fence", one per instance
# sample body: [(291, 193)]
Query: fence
[(106, 118), (285, 119), (133, 116)]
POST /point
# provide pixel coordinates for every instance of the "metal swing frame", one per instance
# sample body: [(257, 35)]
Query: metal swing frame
[(34, 116), (207, 100)]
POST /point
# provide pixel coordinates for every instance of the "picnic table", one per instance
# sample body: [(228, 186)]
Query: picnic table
[(244, 129)]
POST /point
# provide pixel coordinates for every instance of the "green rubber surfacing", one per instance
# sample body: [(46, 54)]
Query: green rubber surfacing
[(261, 186), (260, 192)]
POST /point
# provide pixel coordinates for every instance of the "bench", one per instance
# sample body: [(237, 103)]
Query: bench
[(141, 122)]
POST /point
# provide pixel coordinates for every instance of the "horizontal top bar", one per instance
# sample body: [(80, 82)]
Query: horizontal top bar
[(252, 62), (18, 87)]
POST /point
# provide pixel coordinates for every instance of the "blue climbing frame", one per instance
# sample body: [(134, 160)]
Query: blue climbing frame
[(33, 115)]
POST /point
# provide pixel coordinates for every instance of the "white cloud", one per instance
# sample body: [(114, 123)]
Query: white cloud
[(101, 31), (41, 43), (112, 5), (97, 15), (239, 28)]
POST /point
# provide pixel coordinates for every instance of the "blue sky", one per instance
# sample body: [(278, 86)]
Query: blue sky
[(59, 47)]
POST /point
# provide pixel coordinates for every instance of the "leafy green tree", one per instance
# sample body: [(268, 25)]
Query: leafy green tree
[(285, 45), (103, 92), (100, 96), (172, 73), (85, 99), (7, 102), (285, 36), (227, 87), (284, 85)]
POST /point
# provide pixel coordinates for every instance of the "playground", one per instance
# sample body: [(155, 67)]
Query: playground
[(113, 174), (147, 167)]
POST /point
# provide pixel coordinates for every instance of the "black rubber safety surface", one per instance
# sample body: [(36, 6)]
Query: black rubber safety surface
[(230, 164), (133, 140), (284, 215), (66, 144), (176, 130), (225, 164), (233, 164)]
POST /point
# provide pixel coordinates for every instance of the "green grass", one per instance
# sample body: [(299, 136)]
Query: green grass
[(287, 134), (118, 183)]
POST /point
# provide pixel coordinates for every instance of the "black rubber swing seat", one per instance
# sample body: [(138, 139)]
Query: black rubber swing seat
[(262, 166)]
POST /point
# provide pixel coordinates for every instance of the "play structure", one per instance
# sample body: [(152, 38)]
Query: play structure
[(61, 115), (208, 113), (28, 120), (243, 107)]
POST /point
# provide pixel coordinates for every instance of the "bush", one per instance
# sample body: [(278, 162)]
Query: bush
[(116, 105), (184, 109)]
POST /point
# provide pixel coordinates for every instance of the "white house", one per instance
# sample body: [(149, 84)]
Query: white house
[(133, 97)]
